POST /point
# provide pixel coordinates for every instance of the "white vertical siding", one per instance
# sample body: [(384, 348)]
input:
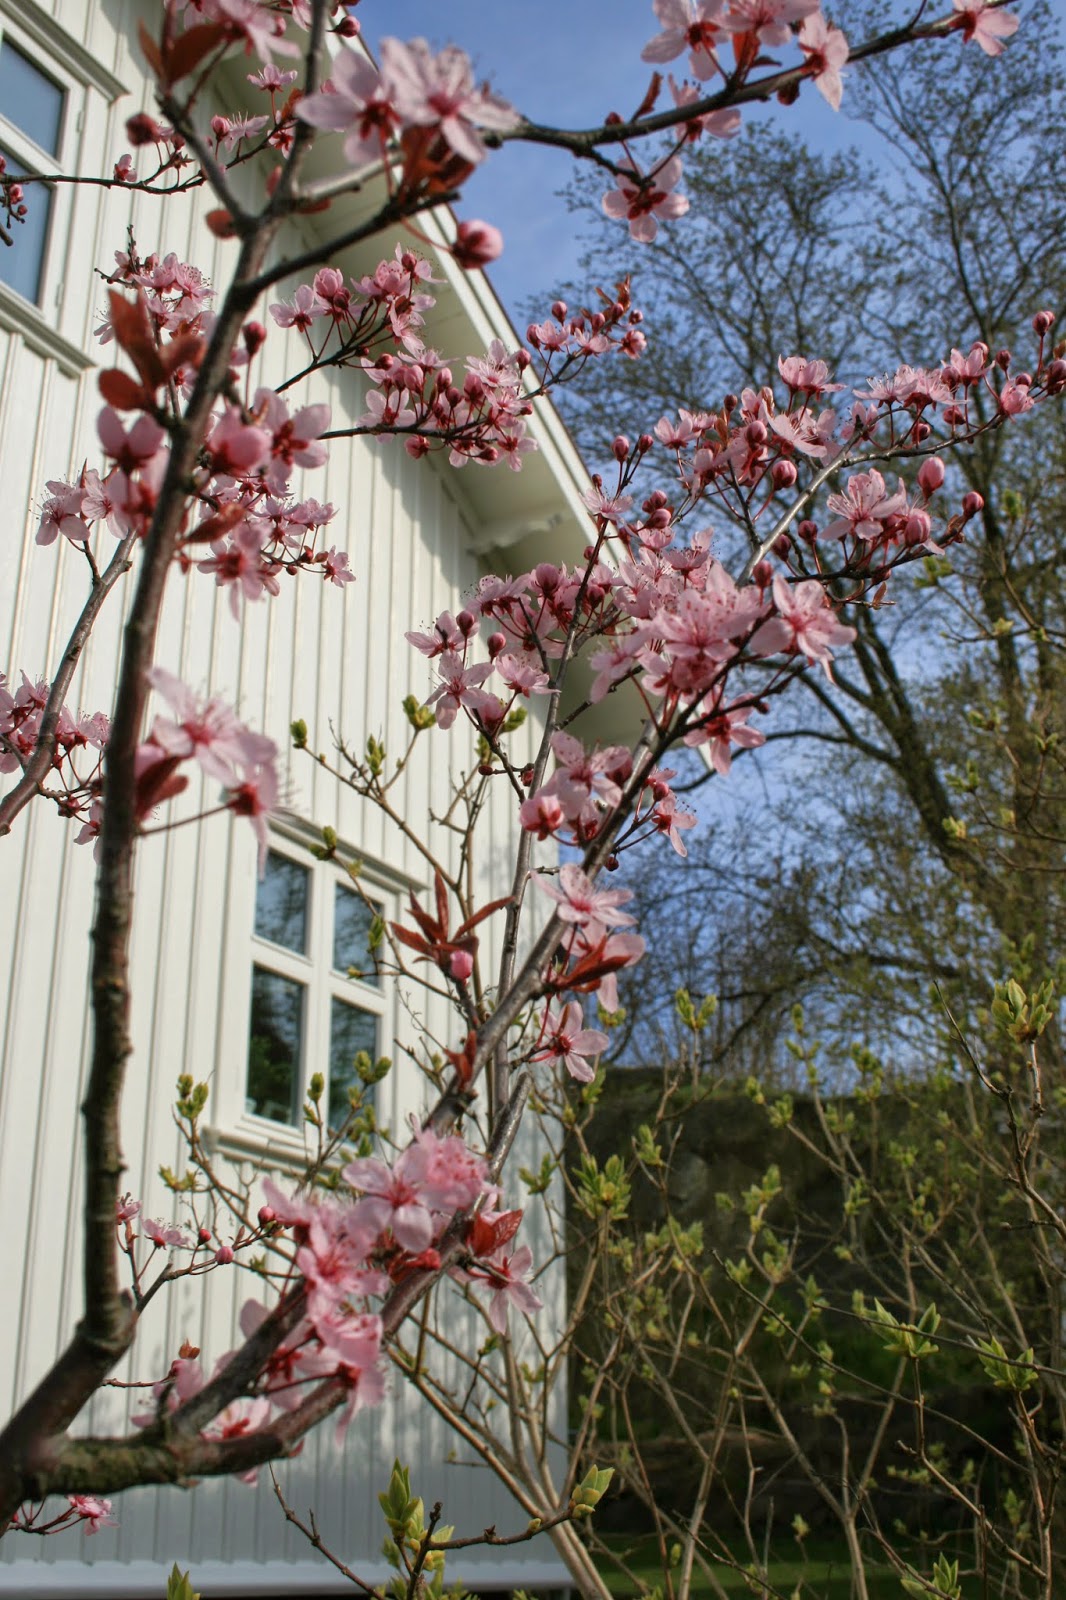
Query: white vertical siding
[(315, 652)]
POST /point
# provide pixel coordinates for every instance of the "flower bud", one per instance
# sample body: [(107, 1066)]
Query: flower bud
[(1056, 377), (559, 310), (522, 359), (756, 433), (219, 126), (644, 444), (921, 431), (347, 28), (267, 1215), (461, 965), (972, 503), (142, 129), (917, 529), (620, 447), (931, 475), (807, 530), (224, 1255), (409, 261), (466, 622), (497, 645), (204, 1235), (1002, 359), (762, 573), (783, 474), (782, 546), (476, 244), (730, 403), (254, 336), (1043, 322)]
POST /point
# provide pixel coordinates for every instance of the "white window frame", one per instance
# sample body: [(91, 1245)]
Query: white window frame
[(234, 1128), (30, 155), (62, 58)]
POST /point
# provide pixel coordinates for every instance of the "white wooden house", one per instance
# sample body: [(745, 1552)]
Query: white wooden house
[(419, 535)]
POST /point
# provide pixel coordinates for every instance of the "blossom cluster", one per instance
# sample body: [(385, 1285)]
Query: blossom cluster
[(374, 324), (701, 30), (348, 1250), (78, 747)]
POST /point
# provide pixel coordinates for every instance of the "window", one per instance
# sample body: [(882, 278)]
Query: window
[(32, 115), (316, 997)]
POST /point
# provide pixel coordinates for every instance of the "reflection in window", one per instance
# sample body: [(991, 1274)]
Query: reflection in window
[(351, 935), (316, 998), (281, 903), (351, 1030), (21, 262), (274, 1047), (29, 99)]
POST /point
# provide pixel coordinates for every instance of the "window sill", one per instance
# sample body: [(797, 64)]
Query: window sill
[(29, 322), (270, 1148)]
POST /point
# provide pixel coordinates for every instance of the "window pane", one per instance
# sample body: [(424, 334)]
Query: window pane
[(274, 1087), (28, 99), (21, 262), (350, 1031), (281, 903), (351, 935)]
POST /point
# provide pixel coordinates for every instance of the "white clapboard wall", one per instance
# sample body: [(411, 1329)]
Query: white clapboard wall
[(419, 535)]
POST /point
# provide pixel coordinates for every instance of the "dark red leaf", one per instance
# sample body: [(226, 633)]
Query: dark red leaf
[(150, 50), (441, 892), (122, 391), (189, 49)]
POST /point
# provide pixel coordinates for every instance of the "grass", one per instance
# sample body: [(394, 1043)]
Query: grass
[(824, 1575)]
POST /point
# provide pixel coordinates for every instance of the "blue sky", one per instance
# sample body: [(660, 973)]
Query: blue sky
[(566, 62)]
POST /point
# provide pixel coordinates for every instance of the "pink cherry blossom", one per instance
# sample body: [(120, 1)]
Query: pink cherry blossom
[(357, 102), (581, 902), (696, 27), (505, 1275), (806, 377), (988, 24), (722, 729), (826, 50), (670, 820), (94, 1510), (565, 1039), (864, 507), (306, 307), (165, 1235), (62, 514), (805, 622), (211, 732), (459, 687), (439, 92), (255, 797), (541, 814), (770, 20), (641, 199), (721, 124)]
